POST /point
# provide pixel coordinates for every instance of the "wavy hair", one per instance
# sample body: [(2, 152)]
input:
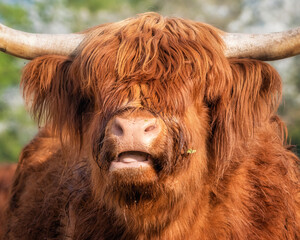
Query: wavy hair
[(164, 63)]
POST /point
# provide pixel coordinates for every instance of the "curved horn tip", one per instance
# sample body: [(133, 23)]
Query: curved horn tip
[(267, 47), (30, 45)]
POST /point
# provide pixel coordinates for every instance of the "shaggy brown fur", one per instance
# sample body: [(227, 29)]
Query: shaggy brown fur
[(6, 178), (241, 183)]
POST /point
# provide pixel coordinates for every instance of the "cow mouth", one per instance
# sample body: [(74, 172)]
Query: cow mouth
[(131, 159)]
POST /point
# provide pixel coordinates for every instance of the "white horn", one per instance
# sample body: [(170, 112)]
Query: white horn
[(30, 45), (265, 47)]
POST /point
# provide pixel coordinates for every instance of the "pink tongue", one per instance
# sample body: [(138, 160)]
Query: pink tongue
[(133, 160), (132, 157)]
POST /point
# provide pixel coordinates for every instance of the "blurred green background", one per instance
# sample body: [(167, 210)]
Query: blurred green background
[(63, 16)]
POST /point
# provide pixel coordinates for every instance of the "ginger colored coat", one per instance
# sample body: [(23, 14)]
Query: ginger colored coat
[(220, 165)]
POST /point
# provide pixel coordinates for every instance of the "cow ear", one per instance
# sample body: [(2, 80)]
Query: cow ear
[(54, 97), (255, 93)]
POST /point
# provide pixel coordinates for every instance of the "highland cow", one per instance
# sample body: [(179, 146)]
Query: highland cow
[(154, 128)]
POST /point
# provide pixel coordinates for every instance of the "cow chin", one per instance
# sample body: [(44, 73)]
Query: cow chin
[(133, 172), (126, 176), (134, 184), (132, 178), (127, 187)]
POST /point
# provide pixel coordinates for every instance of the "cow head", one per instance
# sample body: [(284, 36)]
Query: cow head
[(155, 105)]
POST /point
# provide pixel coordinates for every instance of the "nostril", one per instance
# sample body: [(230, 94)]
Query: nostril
[(150, 128), (117, 129)]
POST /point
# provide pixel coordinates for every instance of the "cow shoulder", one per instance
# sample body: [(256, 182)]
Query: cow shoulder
[(46, 177)]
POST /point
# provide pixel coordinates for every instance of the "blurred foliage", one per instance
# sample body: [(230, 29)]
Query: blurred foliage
[(10, 71), (19, 131), (95, 5), (14, 15), (61, 16)]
